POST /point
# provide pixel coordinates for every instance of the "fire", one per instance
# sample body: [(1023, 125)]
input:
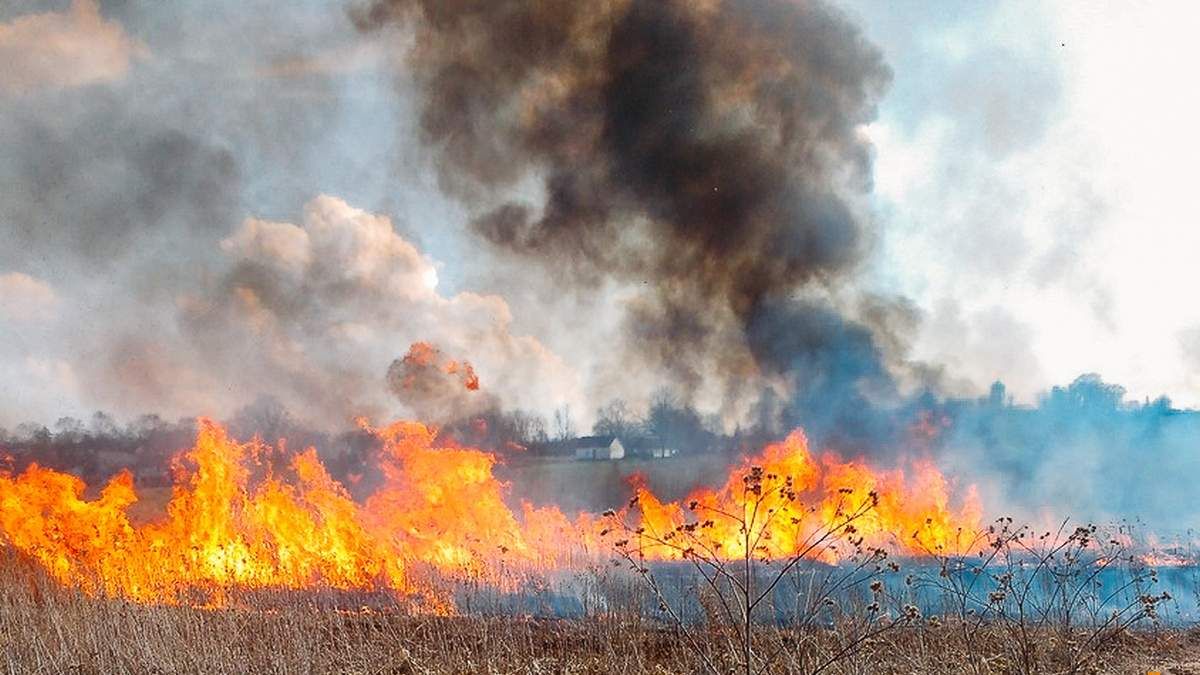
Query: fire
[(786, 502), (236, 520), (219, 532), (422, 355)]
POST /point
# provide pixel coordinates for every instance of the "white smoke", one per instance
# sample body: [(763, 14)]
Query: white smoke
[(312, 314), (63, 49)]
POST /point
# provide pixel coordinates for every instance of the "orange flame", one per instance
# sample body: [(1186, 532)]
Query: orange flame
[(424, 355), (233, 522), (784, 502)]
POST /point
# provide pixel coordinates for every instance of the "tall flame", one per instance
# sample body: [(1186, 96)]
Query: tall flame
[(785, 502), (233, 522)]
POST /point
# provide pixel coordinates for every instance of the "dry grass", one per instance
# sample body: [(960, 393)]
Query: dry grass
[(45, 628)]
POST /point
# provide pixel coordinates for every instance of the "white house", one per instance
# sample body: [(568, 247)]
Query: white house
[(598, 447)]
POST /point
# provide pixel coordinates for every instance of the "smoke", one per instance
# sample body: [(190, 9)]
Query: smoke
[(107, 183), (836, 371), (64, 49), (313, 313), (1189, 343), (1083, 451), (684, 180), (709, 151), (156, 250), (24, 298)]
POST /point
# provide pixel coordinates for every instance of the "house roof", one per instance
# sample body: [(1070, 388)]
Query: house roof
[(573, 444), (589, 442)]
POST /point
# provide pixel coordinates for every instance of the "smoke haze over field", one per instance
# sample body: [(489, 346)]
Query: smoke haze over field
[(828, 214)]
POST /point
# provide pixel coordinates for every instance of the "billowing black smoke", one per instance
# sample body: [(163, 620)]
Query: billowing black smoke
[(709, 150), (836, 370)]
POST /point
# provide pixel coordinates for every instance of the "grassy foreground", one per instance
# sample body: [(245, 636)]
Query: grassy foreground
[(47, 629)]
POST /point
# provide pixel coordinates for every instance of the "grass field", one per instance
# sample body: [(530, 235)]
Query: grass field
[(45, 628), (752, 588)]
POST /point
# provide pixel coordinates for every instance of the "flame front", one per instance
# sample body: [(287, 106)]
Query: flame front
[(234, 523), (785, 503)]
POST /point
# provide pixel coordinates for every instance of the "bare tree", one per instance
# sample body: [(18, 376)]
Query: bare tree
[(564, 427), (615, 419)]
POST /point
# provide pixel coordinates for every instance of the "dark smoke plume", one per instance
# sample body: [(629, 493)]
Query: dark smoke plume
[(709, 150)]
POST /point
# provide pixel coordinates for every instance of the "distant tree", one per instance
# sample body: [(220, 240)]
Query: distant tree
[(1161, 405), (527, 427), (615, 419), (68, 430), (1087, 393), (564, 427), (997, 395), (147, 425), (495, 429), (103, 425), (660, 418), (675, 426), (266, 417), (31, 432)]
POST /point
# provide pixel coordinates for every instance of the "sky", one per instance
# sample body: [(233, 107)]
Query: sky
[(204, 202), (1032, 167)]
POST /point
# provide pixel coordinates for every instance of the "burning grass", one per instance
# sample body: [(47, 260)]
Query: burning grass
[(249, 515), (797, 563)]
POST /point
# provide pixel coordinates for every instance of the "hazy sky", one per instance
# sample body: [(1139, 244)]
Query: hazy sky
[(1032, 170)]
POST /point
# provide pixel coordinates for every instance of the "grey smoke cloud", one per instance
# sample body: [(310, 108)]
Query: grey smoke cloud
[(312, 313), (734, 187), (154, 255), (708, 150)]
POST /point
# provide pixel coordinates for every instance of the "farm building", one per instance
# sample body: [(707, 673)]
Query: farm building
[(597, 447)]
